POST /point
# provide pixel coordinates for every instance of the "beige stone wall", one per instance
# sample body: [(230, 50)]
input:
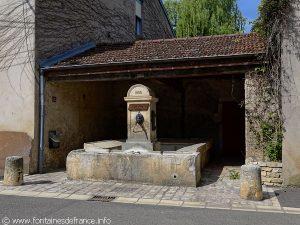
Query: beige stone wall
[(253, 152), (81, 112), (17, 87), (63, 25), (271, 173), (291, 98)]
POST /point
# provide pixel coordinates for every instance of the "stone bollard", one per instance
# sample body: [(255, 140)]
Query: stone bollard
[(251, 187), (13, 172)]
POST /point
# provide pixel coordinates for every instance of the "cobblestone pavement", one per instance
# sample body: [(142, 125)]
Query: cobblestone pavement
[(217, 191)]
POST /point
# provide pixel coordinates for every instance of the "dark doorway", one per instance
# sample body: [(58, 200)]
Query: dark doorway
[(233, 130)]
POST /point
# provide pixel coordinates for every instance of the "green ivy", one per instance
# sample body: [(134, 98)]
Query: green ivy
[(269, 11), (271, 135), (269, 132)]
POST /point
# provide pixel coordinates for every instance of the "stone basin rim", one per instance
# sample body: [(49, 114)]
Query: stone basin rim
[(120, 152)]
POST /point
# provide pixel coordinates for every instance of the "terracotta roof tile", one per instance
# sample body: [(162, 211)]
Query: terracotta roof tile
[(167, 49)]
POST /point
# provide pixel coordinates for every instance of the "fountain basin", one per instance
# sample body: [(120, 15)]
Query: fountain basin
[(172, 168)]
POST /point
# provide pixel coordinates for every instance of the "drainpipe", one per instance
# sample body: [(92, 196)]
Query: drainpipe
[(42, 121), (44, 65)]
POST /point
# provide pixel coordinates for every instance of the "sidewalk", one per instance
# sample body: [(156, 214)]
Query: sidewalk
[(217, 192)]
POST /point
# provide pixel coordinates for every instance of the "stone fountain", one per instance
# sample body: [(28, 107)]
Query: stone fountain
[(141, 158)]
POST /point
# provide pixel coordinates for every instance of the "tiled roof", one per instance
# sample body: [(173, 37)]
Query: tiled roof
[(168, 49)]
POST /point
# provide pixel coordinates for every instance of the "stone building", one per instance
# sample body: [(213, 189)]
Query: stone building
[(71, 23), (44, 28), (200, 83)]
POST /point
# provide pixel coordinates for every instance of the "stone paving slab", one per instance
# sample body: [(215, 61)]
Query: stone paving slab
[(193, 204), (62, 196), (126, 200), (170, 202), (79, 197), (28, 193), (10, 192), (291, 210), (47, 194), (148, 201), (216, 192)]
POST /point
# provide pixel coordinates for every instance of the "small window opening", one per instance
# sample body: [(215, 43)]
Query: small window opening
[(138, 18)]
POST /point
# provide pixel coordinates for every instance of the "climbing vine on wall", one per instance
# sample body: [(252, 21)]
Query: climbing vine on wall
[(265, 114)]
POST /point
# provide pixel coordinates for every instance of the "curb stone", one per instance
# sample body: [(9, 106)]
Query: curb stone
[(149, 201)]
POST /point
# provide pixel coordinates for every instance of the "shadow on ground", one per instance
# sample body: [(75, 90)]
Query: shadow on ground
[(219, 169), (39, 182)]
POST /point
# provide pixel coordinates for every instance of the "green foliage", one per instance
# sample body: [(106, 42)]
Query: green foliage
[(271, 134), (269, 11), (260, 69), (172, 7), (264, 113), (267, 119), (205, 17), (234, 175)]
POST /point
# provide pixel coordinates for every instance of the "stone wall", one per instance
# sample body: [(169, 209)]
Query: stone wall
[(155, 24), (253, 152), (79, 113), (271, 173), (291, 97), (63, 25)]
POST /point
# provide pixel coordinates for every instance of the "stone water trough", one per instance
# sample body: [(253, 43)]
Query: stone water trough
[(172, 168), (141, 158)]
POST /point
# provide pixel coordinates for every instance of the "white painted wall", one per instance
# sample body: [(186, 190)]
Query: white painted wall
[(17, 100), (17, 82)]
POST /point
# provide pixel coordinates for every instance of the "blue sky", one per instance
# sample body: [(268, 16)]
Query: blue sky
[(249, 10)]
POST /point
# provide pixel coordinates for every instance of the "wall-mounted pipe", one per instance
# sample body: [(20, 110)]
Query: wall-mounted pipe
[(42, 121)]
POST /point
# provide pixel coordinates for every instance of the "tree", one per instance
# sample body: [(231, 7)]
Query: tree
[(271, 14), (172, 7), (205, 17)]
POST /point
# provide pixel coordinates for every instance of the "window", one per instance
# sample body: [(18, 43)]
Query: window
[(138, 26), (138, 18)]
